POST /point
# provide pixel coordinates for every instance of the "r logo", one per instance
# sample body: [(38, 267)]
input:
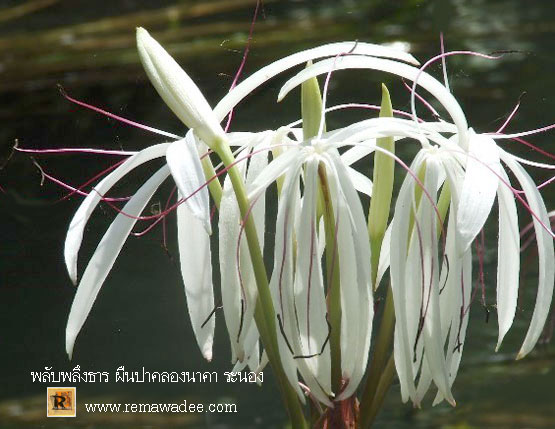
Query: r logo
[(60, 402)]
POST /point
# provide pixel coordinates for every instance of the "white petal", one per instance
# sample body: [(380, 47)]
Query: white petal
[(178, 90), (77, 226), (196, 270), (508, 258), (546, 257), (239, 294), (265, 73), (363, 134), (281, 282), (268, 175), (479, 188), (398, 266), (356, 293), (228, 229), (360, 181), (356, 153), (425, 80), (310, 299), (184, 162), (383, 265), (432, 330), (461, 293), (105, 255), (282, 287)]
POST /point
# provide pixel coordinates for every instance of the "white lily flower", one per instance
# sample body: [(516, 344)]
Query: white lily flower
[(193, 217), (429, 303), (430, 261), (193, 220), (297, 278)]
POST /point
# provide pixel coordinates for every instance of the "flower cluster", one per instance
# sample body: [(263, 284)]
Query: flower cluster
[(315, 314)]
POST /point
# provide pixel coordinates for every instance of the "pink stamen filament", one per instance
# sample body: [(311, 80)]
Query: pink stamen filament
[(434, 59), (325, 91), (428, 106), (116, 117), (78, 190), (511, 116), (536, 148), (243, 61), (525, 133), (78, 150)]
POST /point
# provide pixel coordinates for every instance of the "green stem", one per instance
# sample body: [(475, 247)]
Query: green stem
[(264, 312), (332, 265), (379, 356), (215, 187)]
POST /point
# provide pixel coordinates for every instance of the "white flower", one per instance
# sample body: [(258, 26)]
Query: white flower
[(193, 225), (297, 278), (193, 217), (432, 297)]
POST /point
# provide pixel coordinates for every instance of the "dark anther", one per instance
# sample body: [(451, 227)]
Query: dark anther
[(353, 48), (216, 307), (282, 330), (242, 318), (323, 345), (447, 275)]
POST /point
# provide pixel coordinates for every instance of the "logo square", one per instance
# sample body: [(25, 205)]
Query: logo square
[(61, 402)]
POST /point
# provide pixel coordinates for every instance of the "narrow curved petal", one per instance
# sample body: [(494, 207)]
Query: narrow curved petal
[(383, 264), (425, 80), (184, 162), (266, 73), (349, 157), (239, 293), (232, 299), (360, 181), (178, 90), (461, 295), (281, 282), (77, 226), (398, 266), (268, 175), (357, 295), (310, 300), (432, 330), (508, 259), (196, 270), (479, 188), (546, 257), (105, 255)]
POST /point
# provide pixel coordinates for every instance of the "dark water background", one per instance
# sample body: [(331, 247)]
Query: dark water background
[(140, 316)]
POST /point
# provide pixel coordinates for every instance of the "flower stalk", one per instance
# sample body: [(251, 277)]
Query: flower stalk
[(333, 277), (378, 215)]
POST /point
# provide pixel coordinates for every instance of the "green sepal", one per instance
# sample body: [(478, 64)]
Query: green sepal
[(384, 170), (311, 107)]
